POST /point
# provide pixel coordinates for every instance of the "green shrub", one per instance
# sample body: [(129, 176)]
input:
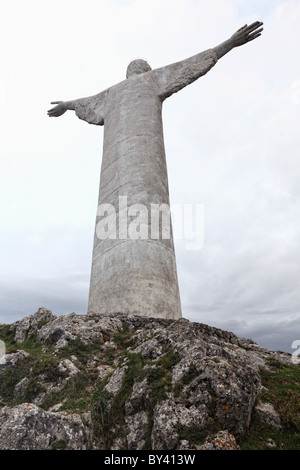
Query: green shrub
[(59, 445), (282, 390), (169, 360)]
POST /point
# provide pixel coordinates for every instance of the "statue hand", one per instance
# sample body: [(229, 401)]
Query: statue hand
[(246, 34), (58, 110)]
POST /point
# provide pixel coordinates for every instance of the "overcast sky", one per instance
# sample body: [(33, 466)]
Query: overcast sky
[(232, 143)]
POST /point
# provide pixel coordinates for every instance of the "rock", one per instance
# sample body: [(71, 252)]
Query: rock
[(139, 399), (185, 381), (184, 445), (137, 427), (270, 443), (28, 326), (56, 407), (169, 416), (10, 359), (21, 387), (47, 388), (266, 414), (118, 444), (116, 380), (222, 441), (67, 367), (104, 370), (90, 329), (165, 420), (2, 349), (109, 345), (28, 427), (66, 371)]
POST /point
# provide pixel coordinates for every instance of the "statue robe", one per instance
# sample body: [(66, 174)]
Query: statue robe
[(136, 276)]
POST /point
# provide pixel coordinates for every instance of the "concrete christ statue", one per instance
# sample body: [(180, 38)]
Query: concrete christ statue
[(133, 273)]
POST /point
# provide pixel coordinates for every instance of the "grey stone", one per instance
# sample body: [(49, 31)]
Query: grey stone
[(137, 428), (47, 388), (139, 398), (223, 440), (165, 421), (104, 370), (116, 380), (56, 407), (29, 326), (118, 444), (67, 367), (89, 329), (270, 443), (67, 370), (266, 414), (214, 380), (21, 387), (169, 416), (109, 345), (131, 272), (28, 427), (10, 359)]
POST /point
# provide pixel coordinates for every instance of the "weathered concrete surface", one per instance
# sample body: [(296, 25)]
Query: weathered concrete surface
[(133, 275)]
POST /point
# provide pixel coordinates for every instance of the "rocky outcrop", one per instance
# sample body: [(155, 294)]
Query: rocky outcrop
[(29, 326), (59, 330), (90, 329), (143, 383), (28, 427)]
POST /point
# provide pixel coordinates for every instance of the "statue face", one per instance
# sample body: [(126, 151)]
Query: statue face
[(137, 67)]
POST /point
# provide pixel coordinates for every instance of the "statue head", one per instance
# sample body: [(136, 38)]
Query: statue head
[(136, 67)]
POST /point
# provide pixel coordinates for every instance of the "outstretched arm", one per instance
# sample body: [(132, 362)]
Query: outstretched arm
[(89, 109), (174, 77), (241, 37), (61, 108)]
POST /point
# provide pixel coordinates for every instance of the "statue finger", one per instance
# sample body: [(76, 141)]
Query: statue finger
[(255, 33), (253, 36), (243, 27), (253, 26)]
